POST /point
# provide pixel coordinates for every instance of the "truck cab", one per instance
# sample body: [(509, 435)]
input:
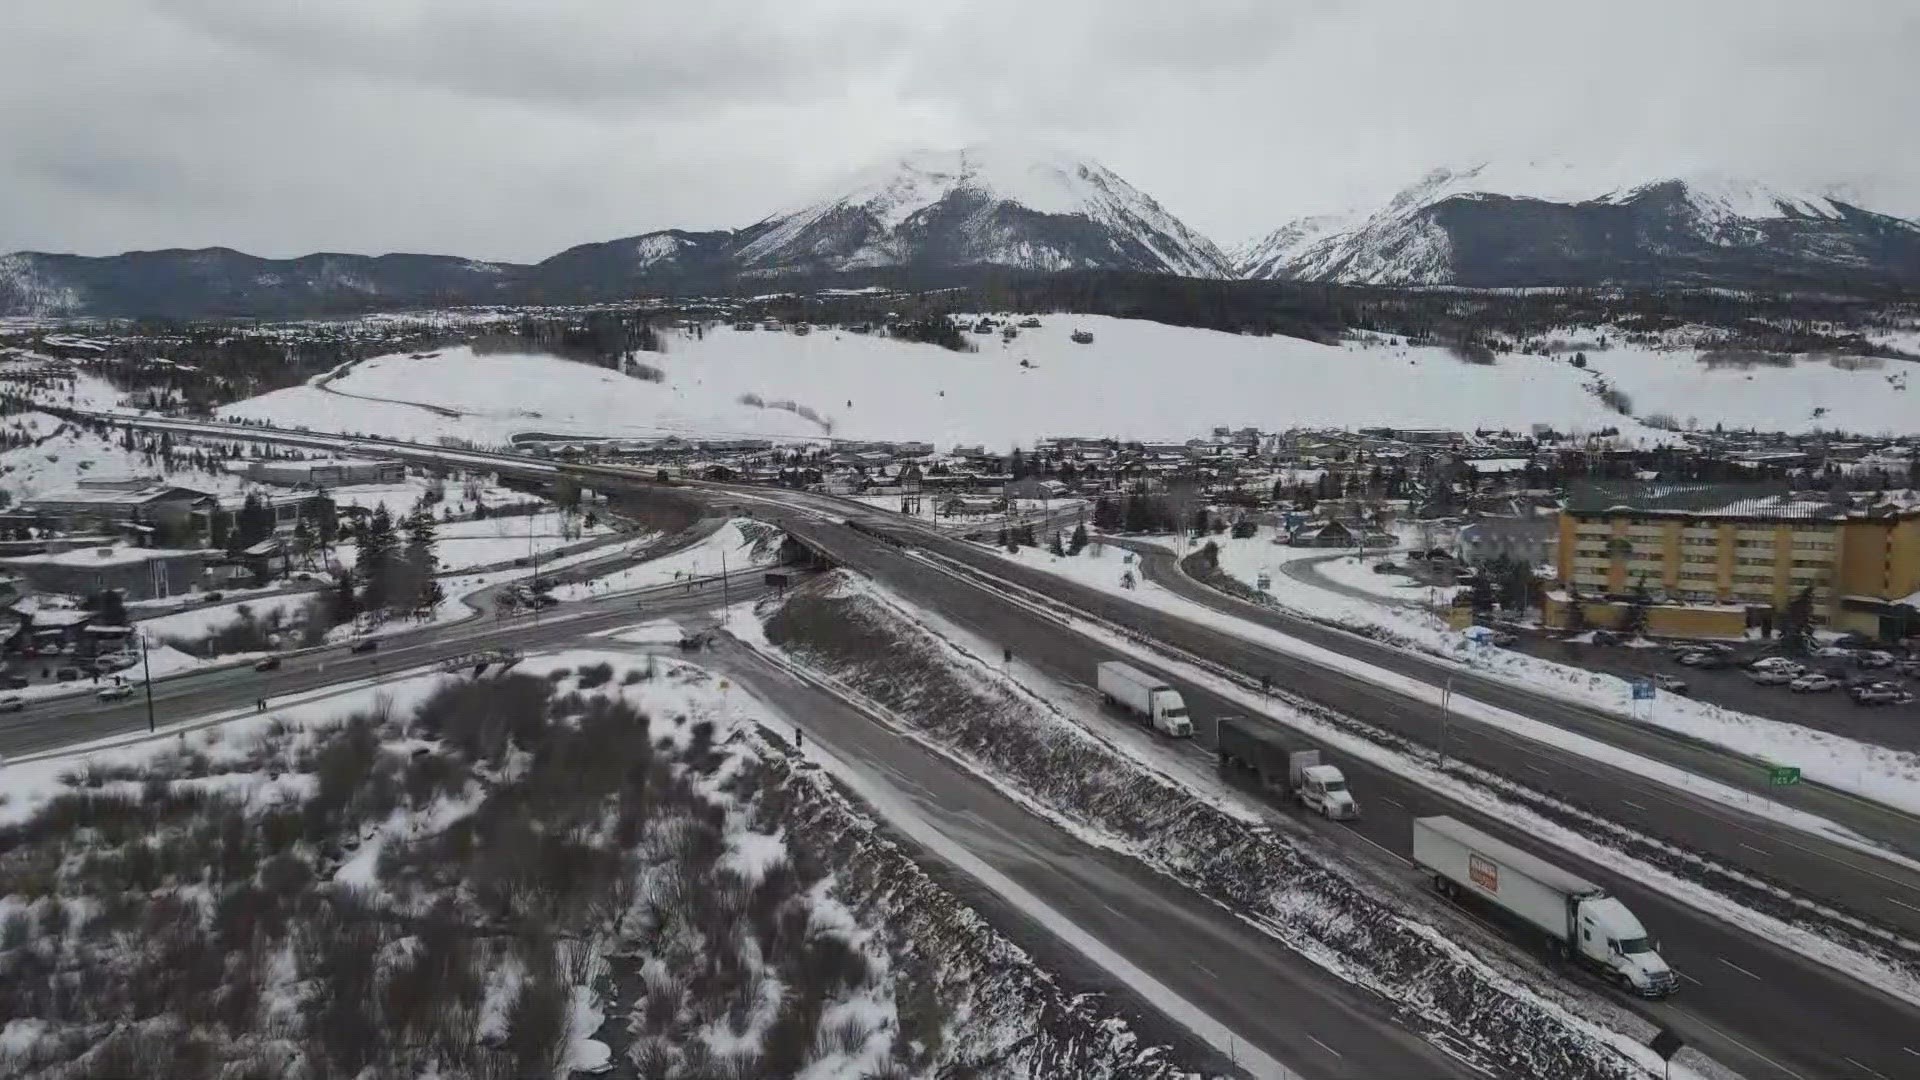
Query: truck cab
[(1170, 714), (1611, 938), (1323, 789)]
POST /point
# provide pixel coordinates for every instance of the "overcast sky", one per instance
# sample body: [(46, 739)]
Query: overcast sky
[(511, 130)]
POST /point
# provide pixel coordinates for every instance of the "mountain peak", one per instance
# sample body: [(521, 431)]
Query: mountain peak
[(1551, 222), (1009, 203)]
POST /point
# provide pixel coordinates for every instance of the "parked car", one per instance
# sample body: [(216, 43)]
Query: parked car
[(1714, 661), (67, 674), (1813, 684), (271, 663), (15, 682), (1772, 676), (1691, 658), (1872, 659), (1384, 568), (212, 597), (1606, 637), (115, 693), (1774, 663), (1672, 684), (1880, 693), (12, 703), (1907, 667), (364, 645)]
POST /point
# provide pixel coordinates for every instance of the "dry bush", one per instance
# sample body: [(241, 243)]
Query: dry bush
[(595, 675)]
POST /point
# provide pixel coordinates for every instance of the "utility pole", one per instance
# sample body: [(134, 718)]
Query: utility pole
[(724, 599), (1446, 700), (147, 670)]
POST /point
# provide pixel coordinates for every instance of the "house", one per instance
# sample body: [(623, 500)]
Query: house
[(139, 573), (1330, 534)]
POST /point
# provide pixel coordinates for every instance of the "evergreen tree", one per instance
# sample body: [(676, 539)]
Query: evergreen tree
[(1639, 602), (1056, 547), (1079, 539), (1200, 519), (109, 608), (377, 562), (417, 561), (1796, 623), (1481, 596), (1107, 516)]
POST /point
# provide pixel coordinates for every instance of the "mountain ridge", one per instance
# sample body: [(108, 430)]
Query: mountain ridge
[(1000, 206)]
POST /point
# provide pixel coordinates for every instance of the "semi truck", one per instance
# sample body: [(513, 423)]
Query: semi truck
[(1579, 919), (1263, 750), (1145, 696)]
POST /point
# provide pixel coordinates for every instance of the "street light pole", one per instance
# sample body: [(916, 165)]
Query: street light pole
[(725, 601), (1446, 700), (146, 670)]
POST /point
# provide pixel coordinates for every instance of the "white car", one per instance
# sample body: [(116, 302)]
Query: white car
[(1773, 663), (1772, 676), (114, 693), (1813, 683)]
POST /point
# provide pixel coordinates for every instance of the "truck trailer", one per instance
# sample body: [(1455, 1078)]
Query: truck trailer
[(1145, 696), (1263, 749), (1579, 919)]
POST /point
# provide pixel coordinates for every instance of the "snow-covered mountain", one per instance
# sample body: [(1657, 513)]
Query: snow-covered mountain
[(1537, 225), (1023, 207)]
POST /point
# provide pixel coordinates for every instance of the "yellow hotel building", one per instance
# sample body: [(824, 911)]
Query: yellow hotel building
[(1712, 560)]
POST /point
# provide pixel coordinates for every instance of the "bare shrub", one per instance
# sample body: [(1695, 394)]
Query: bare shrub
[(645, 371), (1616, 399), (847, 1035), (1744, 359), (1852, 362), (595, 675), (1472, 352), (752, 400)]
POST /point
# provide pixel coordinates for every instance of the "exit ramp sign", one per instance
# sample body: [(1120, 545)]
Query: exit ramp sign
[(1783, 775)]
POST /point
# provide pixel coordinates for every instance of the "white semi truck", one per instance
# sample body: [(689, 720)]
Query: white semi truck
[(1579, 918), (1145, 696), (1260, 748)]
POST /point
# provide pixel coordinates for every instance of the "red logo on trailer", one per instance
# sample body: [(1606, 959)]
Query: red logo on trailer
[(1484, 872)]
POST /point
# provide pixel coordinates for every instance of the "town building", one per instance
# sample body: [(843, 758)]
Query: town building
[(1741, 552), (139, 573), (106, 503), (1531, 540), (326, 472)]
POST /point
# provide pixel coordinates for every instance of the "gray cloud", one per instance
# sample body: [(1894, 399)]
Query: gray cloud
[(512, 129)]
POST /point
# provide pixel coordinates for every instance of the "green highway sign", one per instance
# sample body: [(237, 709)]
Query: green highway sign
[(1783, 775)]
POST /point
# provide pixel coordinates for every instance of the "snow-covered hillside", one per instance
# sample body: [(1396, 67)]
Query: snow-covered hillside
[(1137, 379)]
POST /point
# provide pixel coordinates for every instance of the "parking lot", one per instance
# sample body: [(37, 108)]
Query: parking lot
[(1896, 726)]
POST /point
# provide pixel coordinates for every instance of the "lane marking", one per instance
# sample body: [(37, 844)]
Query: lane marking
[(1739, 969), (1688, 977), (1865, 1068), (1403, 806), (1903, 904), (1911, 1050), (1338, 1054), (1538, 769), (1204, 968), (1696, 1019), (1635, 805), (1750, 847)]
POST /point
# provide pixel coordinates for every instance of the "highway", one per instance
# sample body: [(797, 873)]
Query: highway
[(1759, 1008), (1278, 1002)]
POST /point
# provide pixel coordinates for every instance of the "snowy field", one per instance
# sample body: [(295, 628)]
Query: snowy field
[(1137, 379), (63, 456), (738, 546), (464, 545), (195, 623)]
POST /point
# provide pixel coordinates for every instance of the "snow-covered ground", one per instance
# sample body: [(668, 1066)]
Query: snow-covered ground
[(198, 622), (656, 916), (64, 455), (463, 545), (740, 545), (874, 387)]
